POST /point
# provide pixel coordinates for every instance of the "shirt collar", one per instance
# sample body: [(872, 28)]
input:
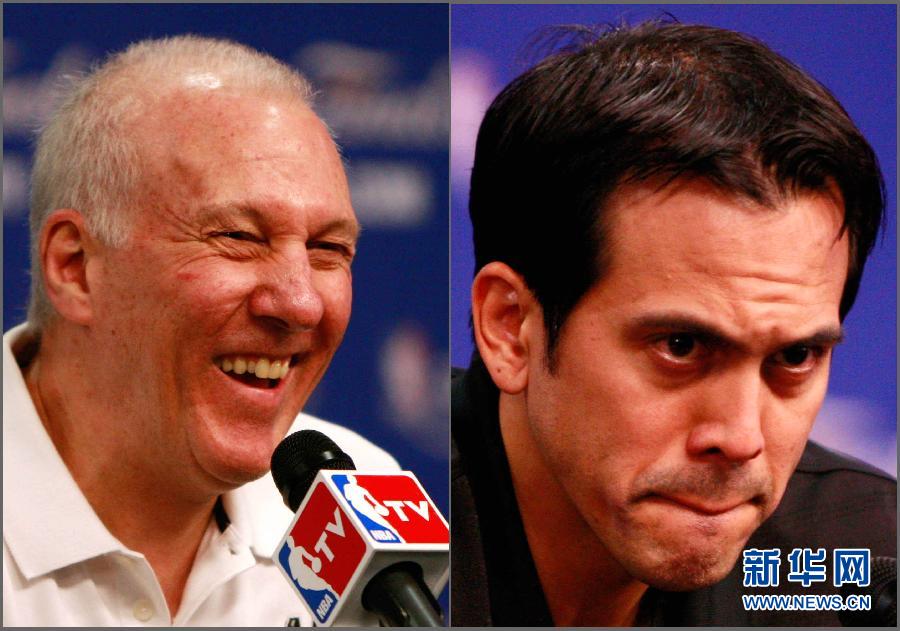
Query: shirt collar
[(47, 522), (258, 516)]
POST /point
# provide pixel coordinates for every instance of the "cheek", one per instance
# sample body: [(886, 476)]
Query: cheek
[(336, 292), (625, 416), (602, 428), (209, 290), (128, 294), (785, 439)]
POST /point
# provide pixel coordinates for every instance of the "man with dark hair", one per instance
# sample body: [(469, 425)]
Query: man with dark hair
[(670, 225)]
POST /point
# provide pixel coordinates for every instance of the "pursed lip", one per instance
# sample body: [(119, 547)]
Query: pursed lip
[(701, 506)]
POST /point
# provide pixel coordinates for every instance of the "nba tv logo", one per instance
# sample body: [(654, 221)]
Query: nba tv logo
[(346, 519), (321, 552), (393, 508)]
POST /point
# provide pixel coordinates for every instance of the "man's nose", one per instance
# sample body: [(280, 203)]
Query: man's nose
[(730, 417), (285, 293)]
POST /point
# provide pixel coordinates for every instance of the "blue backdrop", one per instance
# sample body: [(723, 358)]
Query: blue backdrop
[(383, 76), (851, 49)]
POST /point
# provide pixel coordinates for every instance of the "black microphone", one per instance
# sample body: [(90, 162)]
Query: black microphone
[(883, 590), (389, 582), (298, 459)]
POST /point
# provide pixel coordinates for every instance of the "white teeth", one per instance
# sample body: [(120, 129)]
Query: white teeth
[(262, 367)]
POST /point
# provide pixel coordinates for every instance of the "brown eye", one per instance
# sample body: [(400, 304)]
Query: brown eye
[(795, 355), (680, 344), (680, 351), (798, 359)]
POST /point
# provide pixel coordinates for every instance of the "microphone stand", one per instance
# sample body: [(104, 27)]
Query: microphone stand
[(399, 597)]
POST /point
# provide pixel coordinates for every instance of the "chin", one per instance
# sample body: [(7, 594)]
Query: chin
[(687, 570), (235, 464), (237, 474)]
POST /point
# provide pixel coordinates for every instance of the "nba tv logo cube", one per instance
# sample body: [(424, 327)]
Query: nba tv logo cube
[(351, 525)]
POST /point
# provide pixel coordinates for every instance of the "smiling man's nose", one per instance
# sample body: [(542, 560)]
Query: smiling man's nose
[(287, 296), (729, 425)]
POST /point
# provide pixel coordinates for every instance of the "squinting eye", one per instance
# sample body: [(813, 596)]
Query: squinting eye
[(333, 248), (238, 236)]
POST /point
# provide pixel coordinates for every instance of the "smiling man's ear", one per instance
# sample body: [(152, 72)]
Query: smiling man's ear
[(504, 316), (65, 251)]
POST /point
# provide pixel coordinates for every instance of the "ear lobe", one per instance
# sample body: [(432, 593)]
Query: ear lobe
[(501, 307), (64, 260)]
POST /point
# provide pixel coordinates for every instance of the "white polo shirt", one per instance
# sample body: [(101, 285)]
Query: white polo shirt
[(62, 567)]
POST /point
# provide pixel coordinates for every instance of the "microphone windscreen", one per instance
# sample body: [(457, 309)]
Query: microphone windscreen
[(883, 590), (297, 460)]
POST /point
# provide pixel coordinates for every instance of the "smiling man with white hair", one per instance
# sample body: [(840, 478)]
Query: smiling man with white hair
[(192, 240)]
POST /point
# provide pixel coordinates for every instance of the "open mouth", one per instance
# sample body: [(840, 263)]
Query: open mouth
[(256, 371), (255, 382)]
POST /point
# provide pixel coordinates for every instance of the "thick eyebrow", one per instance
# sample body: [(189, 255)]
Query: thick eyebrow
[(712, 334)]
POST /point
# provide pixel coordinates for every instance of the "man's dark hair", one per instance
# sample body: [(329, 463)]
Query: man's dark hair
[(655, 100)]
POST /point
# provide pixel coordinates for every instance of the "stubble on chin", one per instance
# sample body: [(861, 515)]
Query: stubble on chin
[(686, 570), (669, 554)]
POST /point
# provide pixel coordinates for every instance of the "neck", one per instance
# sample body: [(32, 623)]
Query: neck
[(142, 510), (583, 584)]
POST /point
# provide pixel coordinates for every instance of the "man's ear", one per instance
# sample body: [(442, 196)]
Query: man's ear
[(504, 313), (64, 249)]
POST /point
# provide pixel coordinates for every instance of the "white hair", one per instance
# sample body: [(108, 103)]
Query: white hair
[(87, 160)]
